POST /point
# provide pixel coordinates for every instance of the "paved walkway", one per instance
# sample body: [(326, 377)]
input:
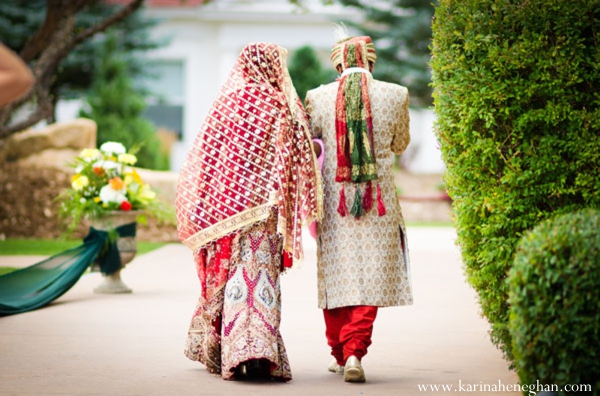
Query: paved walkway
[(90, 344)]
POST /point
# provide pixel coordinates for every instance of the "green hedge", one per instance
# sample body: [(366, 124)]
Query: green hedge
[(518, 118), (554, 300)]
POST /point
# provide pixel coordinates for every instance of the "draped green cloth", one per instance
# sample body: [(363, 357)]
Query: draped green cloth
[(35, 286)]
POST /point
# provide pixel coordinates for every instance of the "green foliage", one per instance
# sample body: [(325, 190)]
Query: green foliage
[(132, 38), (518, 119), (554, 301), (117, 108), (401, 32), (20, 19), (306, 71)]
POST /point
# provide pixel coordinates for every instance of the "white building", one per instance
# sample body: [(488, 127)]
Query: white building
[(206, 41)]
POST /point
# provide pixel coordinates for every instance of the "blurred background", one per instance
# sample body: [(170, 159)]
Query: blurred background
[(147, 71)]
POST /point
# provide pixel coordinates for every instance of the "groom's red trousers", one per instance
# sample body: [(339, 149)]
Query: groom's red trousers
[(348, 331)]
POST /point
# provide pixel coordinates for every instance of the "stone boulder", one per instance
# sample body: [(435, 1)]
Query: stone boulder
[(53, 146)]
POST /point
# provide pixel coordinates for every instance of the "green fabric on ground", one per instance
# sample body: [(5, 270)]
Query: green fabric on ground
[(33, 287)]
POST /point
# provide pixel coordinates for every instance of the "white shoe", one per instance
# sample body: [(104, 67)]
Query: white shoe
[(353, 371), (334, 367)]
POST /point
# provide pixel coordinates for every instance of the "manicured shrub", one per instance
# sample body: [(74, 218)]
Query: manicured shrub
[(518, 119), (555, 303)]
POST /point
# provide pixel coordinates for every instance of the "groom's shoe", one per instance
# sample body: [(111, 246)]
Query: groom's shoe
[(353, 371), (334, 367)]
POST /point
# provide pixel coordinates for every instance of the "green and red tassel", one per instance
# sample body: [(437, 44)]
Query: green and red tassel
[(357, 208)]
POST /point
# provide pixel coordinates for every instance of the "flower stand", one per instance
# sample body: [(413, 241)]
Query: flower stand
[(126, 246)]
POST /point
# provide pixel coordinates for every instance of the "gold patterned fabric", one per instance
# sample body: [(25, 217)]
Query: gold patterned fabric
[(253, 152), (363, 261)]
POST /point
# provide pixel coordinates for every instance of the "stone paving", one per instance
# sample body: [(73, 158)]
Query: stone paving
[(91, 344)]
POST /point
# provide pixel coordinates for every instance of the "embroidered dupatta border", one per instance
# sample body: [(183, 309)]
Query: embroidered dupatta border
[(230, 224)]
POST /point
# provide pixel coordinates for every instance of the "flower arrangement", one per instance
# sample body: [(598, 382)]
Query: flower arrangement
[(104, 182)]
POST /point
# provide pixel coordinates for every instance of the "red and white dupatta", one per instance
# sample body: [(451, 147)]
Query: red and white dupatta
[(253, 152)]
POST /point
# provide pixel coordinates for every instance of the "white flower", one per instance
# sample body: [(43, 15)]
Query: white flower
[(107, 165), (113, 148), (82, 200), (107, 194)]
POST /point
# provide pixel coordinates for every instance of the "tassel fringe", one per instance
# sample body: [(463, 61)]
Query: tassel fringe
[(380, 204), (357, 209), (361, 205), (368, 197), (342, 209)]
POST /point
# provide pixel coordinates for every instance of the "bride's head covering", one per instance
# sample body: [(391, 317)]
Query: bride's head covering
[(253, 152)]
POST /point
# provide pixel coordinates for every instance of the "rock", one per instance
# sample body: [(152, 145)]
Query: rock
[(55, 158), (52, 146)]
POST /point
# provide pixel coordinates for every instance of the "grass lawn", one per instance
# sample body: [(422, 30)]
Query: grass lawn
[(6, 270), (49, 247)]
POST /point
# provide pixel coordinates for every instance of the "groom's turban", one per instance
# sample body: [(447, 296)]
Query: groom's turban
[(353, 52)]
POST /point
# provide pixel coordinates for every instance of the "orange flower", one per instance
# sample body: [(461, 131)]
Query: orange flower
[(98, 170), (116, 183)]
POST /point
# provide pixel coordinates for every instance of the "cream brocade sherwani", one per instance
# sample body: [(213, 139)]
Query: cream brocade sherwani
[(361, 261)]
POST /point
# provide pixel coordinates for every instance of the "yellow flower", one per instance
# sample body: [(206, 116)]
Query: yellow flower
[(78, 182), (145, 194), (132, 176), (90, 153), (96, 199), (128, 159)]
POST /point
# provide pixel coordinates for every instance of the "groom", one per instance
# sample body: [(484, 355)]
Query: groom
[(362, 256)]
